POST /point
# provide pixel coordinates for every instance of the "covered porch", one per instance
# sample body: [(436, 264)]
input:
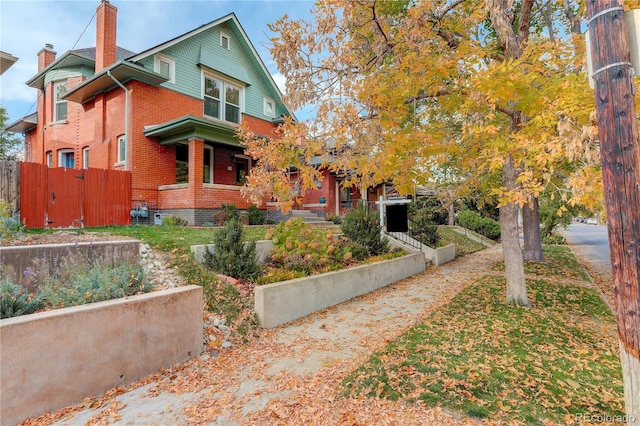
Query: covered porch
[(210, 168)]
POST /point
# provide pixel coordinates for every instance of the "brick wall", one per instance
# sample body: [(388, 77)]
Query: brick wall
[(97, 124)]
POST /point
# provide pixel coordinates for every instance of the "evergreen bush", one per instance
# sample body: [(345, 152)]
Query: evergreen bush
[(256, 216), (482, 225), (424, 230), (363, 226), (232, 256), (430, 207), (226, 213)]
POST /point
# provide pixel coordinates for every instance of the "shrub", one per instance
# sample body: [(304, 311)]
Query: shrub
[(424, 230), (232, 256), (469, 219), (15, 300), (226, 213), (482, 225), (174, 221), (430, 207), (9, 227), (490, 228), (358, 251), (553, 239), (363, 226), (256, 216), (300, 246), (74, 285), (274, 275), (337, 220)]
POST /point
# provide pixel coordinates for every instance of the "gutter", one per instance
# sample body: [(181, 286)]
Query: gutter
[(126, 117)]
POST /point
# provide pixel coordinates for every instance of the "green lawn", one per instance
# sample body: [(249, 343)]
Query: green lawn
[(550, 362), (180, 238), (463, 244)]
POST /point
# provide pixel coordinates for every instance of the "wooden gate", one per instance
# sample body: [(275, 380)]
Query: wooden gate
[(62, 197), (10, 184)]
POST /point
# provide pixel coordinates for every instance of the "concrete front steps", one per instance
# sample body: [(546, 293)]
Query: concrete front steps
[(309, 217)]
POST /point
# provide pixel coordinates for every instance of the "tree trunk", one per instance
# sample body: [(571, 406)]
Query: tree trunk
[(509, 235), (452, 214), (531, 230), (618, 135)]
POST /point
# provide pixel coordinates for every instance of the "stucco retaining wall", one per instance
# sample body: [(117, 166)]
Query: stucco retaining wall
[(442, 255), (279, 303), (57, 358), (14, 260)]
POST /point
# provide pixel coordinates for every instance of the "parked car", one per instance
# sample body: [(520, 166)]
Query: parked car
[(592, 221)]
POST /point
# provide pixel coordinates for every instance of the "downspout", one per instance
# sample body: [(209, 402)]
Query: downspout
[(126, 117)]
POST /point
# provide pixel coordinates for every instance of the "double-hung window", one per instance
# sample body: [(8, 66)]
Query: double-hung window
[(122, 150), (222, 100), (85, 157), (60, 105)]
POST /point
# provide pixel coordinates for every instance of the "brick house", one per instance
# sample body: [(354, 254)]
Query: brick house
[(168, 115)]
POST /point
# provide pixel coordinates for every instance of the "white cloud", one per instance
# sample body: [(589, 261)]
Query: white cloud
[(281, 82), (26, 25)]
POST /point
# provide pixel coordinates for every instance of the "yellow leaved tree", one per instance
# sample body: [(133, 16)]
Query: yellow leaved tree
[(489, 91)]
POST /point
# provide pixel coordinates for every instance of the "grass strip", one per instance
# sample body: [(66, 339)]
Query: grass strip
[(553, 361)]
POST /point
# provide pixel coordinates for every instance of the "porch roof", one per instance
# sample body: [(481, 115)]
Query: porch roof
[(122, 71), (24, 124), (189, 126)]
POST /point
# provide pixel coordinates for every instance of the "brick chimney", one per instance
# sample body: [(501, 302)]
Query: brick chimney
[(105, 35), (46, 56)]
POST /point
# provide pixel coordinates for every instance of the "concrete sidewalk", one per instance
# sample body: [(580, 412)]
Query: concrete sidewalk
[(292, 373)]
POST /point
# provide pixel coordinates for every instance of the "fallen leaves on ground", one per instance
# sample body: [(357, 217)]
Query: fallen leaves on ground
[(267, 382)]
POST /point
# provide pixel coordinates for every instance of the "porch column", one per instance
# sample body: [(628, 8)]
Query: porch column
[(196, 151)]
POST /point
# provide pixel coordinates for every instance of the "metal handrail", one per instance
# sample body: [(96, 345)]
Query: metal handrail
[(408, 237)]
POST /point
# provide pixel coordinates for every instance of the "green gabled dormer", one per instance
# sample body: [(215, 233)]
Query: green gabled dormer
[(218, 63)]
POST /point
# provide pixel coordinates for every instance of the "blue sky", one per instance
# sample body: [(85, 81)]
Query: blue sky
[(25, 27)]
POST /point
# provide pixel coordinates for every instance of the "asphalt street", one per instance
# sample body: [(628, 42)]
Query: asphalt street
[(591, 243)]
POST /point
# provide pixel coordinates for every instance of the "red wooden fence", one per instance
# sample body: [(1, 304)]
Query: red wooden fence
[(61, 197)]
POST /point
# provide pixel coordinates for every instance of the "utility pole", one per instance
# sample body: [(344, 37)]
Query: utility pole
[(618, 135)]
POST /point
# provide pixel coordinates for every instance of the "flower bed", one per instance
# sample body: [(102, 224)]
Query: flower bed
[(282, 302)]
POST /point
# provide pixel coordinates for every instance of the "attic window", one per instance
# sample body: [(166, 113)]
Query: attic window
[(165, 66), (269, 108), (224, 41)]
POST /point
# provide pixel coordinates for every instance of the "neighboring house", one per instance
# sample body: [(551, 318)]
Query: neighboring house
[(168, 114), (6, 60)]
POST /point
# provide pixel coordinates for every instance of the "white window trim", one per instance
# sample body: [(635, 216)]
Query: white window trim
[(61, 152), (266, 103), (172, 66), (49, 156), (85, 157), (224, 35), (223, 101), (121, 161), (57, 101)]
